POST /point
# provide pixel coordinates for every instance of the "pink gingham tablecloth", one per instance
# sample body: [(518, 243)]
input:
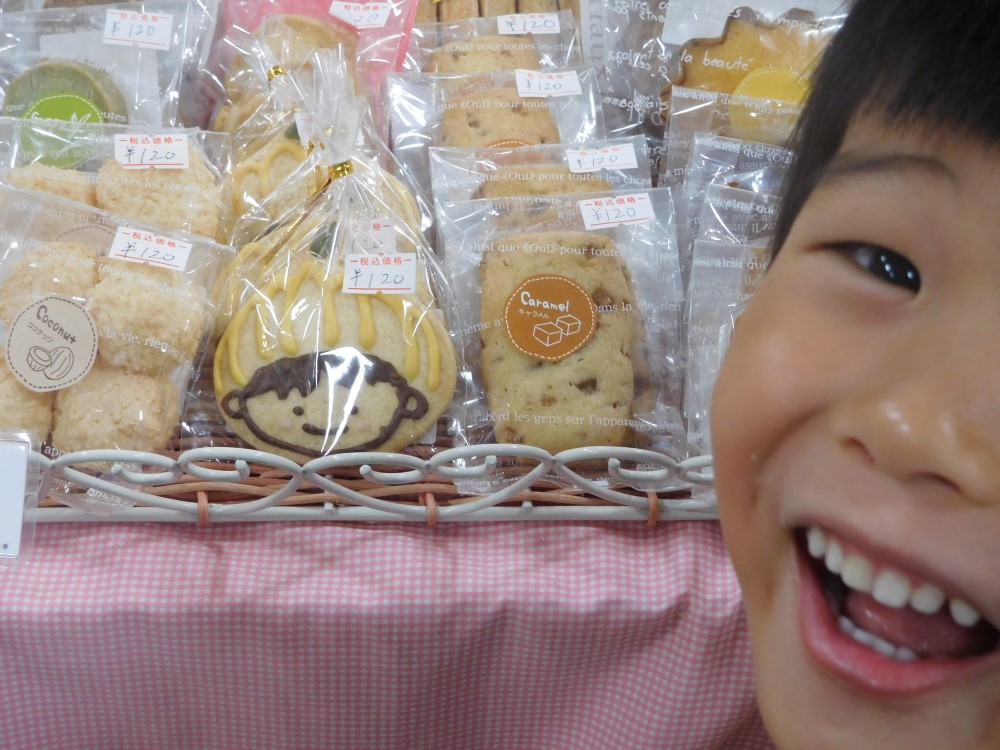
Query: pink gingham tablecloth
[(588, 636)]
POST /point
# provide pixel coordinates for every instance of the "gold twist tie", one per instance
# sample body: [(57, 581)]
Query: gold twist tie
[(340, 170), (277, 70)]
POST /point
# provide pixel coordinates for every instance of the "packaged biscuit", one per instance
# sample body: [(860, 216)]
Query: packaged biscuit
[(570, 322), (476, 110), (729, 259), (450, 11), (102, 321), (171, 177), (335, 339), (498, 42), (717, 160), (112, 63)]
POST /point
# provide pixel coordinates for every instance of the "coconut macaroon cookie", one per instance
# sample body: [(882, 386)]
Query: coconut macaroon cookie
[(67, 269), (113, 408), (22, 408), (186, 199), (343, 372), (66, 183), (165, 316)]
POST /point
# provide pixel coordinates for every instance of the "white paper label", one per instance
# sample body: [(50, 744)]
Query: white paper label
[(528, 23), (616, 209), (136, 151), (540, 83), (14, 470), (138, 246), (388, 273), (378, 236), (52, 344), (621, 156), (362, 15), (138, 29)]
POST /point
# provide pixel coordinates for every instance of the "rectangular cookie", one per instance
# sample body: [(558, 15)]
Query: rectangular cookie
[(484, 54), (457, 10), (558, 331), (426, 12), (497, 117), (537, 6), (491, 8)]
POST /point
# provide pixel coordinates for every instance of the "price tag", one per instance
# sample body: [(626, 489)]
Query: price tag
[(138, 29), (528, 23), (134, 151), (540, 83), (388, 273), (362, 15), (14, 470), (138, 246), (616, 209), (378, 236), (595, 159)]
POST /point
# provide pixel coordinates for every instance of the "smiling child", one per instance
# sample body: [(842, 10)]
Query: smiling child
[(856, 420)]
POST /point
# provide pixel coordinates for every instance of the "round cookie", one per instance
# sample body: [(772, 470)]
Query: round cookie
[(66, 183), (497, 117), (344, 372), (184, 199), (67, 269), (22, 408), (484, 54), (524, 179), (164, 314), (112, 408), (65, 90)]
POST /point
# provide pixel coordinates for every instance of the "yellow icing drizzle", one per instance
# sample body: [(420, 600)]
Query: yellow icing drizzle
[(262, 167)]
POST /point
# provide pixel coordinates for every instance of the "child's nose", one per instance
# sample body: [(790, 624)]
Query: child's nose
[(924, 422)]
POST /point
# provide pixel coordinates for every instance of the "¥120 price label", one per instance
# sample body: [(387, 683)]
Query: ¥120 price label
[(388, 273), (616, 209), (541, 83), (377, 236), (528, 23), (136, 151), (621, 156), (138, 29), (362, 15), (139, 246)]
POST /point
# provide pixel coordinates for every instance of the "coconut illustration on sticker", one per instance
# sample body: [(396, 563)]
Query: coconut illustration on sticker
[(52, 344)]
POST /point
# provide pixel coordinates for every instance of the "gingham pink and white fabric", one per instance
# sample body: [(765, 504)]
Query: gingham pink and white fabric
[(533, 636)]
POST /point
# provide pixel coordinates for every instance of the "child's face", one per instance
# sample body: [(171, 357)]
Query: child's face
[(862, 403)]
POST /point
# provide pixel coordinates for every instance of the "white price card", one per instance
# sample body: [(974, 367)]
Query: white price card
[(377, 236), (133, 28), (362, 15), (388, 273), (616, 209), (528, 23), (541, 83), (140, 246), (14, 470), (137, 151), (621, 156)]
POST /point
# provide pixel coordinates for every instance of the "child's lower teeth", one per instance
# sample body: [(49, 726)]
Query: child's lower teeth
[(885, 648)]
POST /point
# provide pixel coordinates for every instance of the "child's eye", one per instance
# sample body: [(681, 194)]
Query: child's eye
[(886, 265)]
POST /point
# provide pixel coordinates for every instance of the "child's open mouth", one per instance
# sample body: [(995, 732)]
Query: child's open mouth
[(893, 613)]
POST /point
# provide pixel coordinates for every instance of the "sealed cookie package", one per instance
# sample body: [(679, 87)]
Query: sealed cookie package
[(171, 177), (767, 121), (570, 312), (121, 63), (717, 160), (766, 50), (730, 256), (102, 321), (500, 42), (339, 336), (459, 174), (476, 110), (374, 36)]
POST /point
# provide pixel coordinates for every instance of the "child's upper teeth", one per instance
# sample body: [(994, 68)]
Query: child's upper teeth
[(889, 587)]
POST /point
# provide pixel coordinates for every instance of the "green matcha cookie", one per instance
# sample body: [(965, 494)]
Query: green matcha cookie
[(65, 90)]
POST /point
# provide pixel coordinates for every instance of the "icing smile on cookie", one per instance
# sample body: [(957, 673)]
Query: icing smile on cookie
[(898, 617)]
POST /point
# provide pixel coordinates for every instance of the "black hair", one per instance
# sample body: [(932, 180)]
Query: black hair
[(924, 64)]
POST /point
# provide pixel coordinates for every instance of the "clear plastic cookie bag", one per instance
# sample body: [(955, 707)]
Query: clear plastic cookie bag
[(339, 338)]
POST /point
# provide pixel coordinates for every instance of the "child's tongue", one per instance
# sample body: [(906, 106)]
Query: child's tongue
[(929, 636)]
